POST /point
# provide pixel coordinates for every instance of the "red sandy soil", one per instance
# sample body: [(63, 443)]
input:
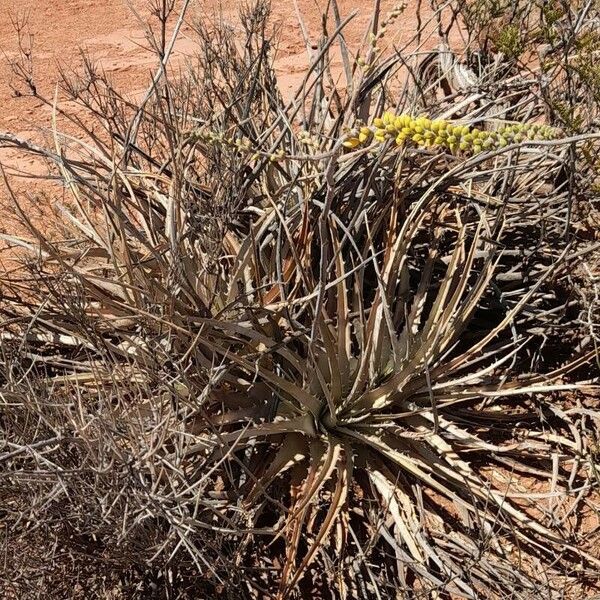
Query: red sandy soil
[(112, 32)]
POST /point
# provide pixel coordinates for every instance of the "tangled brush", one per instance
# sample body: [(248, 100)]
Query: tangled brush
[(255, 365)]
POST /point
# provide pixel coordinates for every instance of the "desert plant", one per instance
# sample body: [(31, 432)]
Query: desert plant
[(265, 352)]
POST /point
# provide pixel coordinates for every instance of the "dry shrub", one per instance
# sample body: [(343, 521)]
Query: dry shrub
[(260, 365)]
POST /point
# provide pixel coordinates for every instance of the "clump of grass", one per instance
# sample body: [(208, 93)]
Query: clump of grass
[(510, 42), (260, 365)]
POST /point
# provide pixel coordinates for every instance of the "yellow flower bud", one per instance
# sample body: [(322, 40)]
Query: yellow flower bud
[(455, 137), (423, 122), (351, 143), (388, 118)]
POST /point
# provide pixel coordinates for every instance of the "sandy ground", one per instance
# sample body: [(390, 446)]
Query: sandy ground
[(112, 33)]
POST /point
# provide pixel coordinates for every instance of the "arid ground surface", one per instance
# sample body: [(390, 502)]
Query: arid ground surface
[(114, 35), (112, 32)]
